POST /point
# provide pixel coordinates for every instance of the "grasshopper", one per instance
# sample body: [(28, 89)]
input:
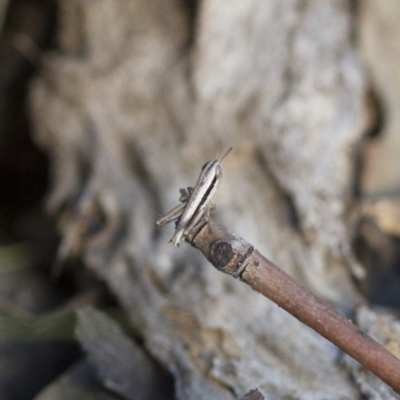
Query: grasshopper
[(196, 203)]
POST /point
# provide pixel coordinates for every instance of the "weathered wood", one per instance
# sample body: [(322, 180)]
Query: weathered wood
[(129, 109)]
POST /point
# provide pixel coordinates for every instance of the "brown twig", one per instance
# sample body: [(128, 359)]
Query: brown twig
[(231, 254)]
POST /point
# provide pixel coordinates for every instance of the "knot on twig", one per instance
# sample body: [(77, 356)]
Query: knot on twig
[(229, 258), (221, 253)]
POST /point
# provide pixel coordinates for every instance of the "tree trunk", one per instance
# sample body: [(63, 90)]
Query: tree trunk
[(132, 105)]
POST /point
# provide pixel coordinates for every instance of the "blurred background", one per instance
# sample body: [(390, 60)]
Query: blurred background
[(108, 108)]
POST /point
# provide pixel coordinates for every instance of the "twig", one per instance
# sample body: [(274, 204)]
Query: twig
[(231, 254)]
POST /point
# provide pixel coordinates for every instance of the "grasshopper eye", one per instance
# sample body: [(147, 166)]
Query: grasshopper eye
[(206, 165)]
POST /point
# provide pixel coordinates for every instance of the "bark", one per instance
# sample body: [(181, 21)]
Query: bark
[(130, 107)]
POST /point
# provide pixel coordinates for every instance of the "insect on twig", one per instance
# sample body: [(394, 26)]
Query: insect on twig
[(196, 203)]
